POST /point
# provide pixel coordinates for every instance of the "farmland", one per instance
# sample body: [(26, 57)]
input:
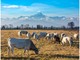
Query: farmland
[(48, 49)]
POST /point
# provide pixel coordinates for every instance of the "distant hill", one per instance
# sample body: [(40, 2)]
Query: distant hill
[(40, 18)]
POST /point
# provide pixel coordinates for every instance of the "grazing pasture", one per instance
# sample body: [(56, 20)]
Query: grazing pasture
[(48, 50)]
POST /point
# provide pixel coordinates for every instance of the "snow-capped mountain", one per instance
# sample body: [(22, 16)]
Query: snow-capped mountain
[(38, 15), (42, 19)]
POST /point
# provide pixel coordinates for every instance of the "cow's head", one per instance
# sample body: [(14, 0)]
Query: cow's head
[(36, 51)]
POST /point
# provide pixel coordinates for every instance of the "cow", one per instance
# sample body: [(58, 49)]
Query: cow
[(67, 39), (28, 35), (35, 36), (76, 36), (20, 43), (42, 34), (22, 32), (49, 36), (55, 34), (57, 39), (62, 35)]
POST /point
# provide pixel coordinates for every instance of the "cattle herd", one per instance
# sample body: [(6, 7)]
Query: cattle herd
[(27, 43)]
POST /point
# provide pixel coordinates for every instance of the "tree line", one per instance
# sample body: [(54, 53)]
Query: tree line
[(26, 26)]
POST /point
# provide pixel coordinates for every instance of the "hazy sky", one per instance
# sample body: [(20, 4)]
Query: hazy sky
[(15, 8)]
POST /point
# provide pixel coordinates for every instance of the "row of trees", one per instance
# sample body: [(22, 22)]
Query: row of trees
[(10, 26)]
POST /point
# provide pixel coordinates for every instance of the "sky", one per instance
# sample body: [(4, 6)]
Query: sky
[(16, 8)]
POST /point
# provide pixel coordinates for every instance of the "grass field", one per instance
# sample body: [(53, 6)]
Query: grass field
[(48, 49)]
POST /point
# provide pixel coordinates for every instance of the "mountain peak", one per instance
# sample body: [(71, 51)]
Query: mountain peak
[(39, 15)]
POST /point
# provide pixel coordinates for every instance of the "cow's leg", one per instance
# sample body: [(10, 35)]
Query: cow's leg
[(62, 43), (24, 53), (46, 38), (20, 34), (12, 50), (8, 51), (26, 49), (28, 53), (70, 42)]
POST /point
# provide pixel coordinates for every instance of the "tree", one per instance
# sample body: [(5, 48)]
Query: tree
[(52, 27), (22, 26), (27, 26), (39, 27), (71, 25), (6, 26), (63, 27), (3, 27), (10, 26), (17, 27)]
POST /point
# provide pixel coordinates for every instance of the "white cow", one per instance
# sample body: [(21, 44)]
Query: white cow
[(28, 35), (63, 35), (35, 36), (33, 33), (49, 36), (25, 44), (55, 34), (22, 32), (76, 36), (67, 39)]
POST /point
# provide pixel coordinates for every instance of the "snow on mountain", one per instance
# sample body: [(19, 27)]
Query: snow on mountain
[(22, 18), (42, 19), (38, 16)]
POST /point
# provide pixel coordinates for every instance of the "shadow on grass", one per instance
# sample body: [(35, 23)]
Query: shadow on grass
[(17, 58), (58, 56), (42, 56), (65, 56)]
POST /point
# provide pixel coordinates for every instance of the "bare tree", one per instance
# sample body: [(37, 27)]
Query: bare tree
[(27, 26), (71, 25), (3, 27), (21, 26), (10, 26)]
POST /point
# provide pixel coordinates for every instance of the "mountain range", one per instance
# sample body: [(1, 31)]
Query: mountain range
[(40, 18)]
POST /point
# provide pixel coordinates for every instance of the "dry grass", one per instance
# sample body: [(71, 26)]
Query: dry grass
[(48, 50)]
